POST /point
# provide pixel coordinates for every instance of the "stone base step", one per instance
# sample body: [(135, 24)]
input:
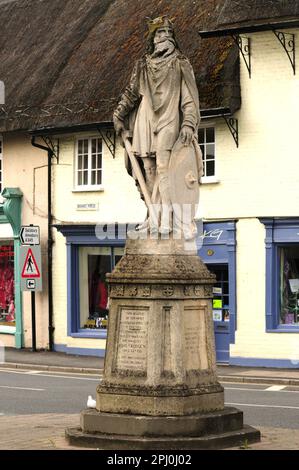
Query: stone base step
[(217, 422), (244, 436)]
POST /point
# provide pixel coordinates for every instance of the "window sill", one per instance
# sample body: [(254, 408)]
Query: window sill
[(287, 329), (88, 189), (7, 330), (209, 180), (90, 334)]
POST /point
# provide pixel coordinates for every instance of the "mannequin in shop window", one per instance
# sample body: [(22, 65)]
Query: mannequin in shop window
[(101, 294), (11, 312), (99, 298)]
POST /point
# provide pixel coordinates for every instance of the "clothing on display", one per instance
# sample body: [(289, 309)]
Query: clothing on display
[(7, 306), (98, 302)]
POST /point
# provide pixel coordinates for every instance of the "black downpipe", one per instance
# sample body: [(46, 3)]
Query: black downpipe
[(50, 242)]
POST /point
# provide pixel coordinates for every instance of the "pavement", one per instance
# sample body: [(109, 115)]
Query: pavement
[(61, 362), (46, 431)]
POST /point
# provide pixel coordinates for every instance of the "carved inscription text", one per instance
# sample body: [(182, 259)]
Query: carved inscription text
[(132, 340)]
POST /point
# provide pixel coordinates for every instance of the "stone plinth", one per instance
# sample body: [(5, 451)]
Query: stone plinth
[(160, 383), (160, 352)]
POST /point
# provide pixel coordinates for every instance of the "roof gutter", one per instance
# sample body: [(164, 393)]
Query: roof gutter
[(214, 112), (205, 114), (50, 241), (42, 131), (254, 28)]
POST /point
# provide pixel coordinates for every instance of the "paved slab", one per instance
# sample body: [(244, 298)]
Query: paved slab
[(52, 358), (36, 432), (46, 432)]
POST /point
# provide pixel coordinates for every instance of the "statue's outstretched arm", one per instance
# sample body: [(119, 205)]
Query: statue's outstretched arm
[(129, 99)]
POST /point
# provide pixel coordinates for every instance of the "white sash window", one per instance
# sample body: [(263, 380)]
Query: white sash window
[(89, 163), (206, 138)]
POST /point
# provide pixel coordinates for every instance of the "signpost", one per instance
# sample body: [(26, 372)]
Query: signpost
[(30, 235), (31, 268)]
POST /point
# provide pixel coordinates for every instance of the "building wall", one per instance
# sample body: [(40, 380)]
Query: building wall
[(252, 340), (25, 167), (118, 202), (257, 179)]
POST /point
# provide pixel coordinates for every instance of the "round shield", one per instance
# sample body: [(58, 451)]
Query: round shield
[(184, 180)]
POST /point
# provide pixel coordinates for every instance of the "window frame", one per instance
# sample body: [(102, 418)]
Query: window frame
[(212, 178), (87, 187), (1, 163), (280, 233), (74, 320), (279, 247)]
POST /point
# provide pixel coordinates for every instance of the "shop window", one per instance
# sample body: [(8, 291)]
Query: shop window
[(282, 274), (206, 139), (1, 164), (220, 293), (7, 305), (94, 264), (89, 163), (289, 285)]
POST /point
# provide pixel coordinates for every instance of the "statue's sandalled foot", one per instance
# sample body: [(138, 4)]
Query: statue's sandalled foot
[(143, 226)]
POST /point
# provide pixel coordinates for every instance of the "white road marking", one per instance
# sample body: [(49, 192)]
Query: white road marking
[(66, 375), (263, 406), (72, 378), (244, 388), (10, 371), (23, 388), (33, 372), (275, 388), (260, 390), (1, 414)]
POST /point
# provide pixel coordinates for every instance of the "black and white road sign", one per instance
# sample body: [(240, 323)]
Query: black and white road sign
[(31, 284), (31, 268), (30, 235)]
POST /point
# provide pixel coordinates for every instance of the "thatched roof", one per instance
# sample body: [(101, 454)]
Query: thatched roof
[(249, 12), (65, 62)]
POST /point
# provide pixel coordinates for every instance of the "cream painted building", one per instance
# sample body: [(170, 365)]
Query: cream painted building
[(24, 202), (249, 196)]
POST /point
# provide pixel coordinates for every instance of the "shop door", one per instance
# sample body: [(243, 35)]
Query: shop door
[(221, 311)]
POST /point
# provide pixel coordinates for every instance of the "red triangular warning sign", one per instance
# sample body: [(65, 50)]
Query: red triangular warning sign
[(30, 268)]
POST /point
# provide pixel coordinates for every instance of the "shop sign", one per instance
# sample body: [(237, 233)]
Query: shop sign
[(30, 235), (31, 269), (212, 234), (88, 207)]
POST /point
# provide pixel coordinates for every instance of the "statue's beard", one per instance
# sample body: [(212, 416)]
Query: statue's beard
[(164, 48)]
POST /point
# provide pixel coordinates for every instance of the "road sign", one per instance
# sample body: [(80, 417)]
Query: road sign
[(31, 284), (30, 235), (31, 268)]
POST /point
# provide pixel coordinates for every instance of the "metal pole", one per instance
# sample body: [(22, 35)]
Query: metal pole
[(50, 243), (50, 253), (33, 321)]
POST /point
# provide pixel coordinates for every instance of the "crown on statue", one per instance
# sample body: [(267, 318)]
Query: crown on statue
[(160, 22)]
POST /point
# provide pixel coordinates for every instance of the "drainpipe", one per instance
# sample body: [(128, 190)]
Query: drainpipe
[(50, 241)]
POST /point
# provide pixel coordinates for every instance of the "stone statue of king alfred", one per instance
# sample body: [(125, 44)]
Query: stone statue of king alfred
[(160, 109), (159, 388)]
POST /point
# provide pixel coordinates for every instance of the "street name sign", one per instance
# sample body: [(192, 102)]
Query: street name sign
[(30, 235), (31, 268)]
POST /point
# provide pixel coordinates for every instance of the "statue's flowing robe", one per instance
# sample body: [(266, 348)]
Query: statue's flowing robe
[(161, 97)]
